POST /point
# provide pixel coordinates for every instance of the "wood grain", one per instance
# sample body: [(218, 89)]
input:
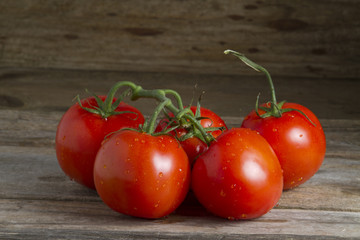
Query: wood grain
[(92, 220), (227, 95), (308, 38)]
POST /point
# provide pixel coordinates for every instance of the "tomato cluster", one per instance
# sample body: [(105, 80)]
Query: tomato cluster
[(146, 168)]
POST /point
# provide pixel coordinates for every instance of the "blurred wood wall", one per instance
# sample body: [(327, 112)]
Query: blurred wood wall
[(315, 39)]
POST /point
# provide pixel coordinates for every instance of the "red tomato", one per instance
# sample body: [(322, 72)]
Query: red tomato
[(239, 177), (194, 146), (80, 133), (141, 175), (299, 145)]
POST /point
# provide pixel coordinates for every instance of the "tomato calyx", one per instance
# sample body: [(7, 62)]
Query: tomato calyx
[(188, 128), (275, 109), (104, 108)]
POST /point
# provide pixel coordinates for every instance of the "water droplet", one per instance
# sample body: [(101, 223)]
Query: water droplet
[(136, 139), (231, 218), (233, 154), (63, 138), (163, 145), (228, 144), (274, 129), (157, 189), (222, 193), (180, 170), (156, 205), (128, 159), (178, 183), (243, 215), (117, 142), (300, 179), (233, 186), (142, 141), (101, 182), (164, 185), (104, 166), (128, 171), (300, 135), (224, 168), (292, 182), (161, 174)]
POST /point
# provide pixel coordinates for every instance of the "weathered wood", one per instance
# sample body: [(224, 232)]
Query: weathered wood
[(28, 137), (28, 219), (227, 95), (292, 38), (38, 201)]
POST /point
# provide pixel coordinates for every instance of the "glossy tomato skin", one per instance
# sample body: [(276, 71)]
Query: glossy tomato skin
[(141, 175), (80, 133), (194, 146), (239, 177), (299, 145)]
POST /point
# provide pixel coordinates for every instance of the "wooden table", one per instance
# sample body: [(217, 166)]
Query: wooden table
[(37, 201)]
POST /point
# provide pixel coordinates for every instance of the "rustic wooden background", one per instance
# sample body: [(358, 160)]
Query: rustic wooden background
[(52, 50), (292, 38)]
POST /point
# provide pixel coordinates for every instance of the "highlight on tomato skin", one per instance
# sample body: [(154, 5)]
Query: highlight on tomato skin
[(80, 133), (141, 175), (239, 176)]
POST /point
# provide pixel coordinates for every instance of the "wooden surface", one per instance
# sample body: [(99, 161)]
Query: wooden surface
[(299, 37), (37, 201)]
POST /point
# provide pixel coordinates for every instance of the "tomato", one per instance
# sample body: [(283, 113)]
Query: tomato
[(80, 133), (142, 175), (239, 176), (194, 146), (299, 145)]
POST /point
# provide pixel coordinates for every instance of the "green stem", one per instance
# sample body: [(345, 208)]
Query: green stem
[(259, 68), (165, 102), (114, 89), (151, 126)]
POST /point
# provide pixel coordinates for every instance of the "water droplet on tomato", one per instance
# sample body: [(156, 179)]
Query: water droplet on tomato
[(243, 215), (104, 166), (180, 170), (222, 193), (156, 205), (233, 186), (274, 129), (231, 218), (142, 141), (161, 174), (101, 182), (300, 179), (136, 139), (228, 144), (300, 135)]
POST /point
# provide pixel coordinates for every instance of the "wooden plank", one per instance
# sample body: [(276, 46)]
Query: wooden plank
[(307, 38), (227, 95), (91, 220), (28, 137)]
